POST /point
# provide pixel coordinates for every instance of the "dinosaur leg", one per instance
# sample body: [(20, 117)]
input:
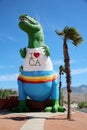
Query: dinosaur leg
[(55, 105), (22, 106)]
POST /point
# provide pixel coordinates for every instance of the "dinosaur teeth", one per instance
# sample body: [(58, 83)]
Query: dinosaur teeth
[(23, 19), (30, 21)]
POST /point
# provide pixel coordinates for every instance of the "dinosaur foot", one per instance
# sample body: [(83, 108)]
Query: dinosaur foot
[(55, 109), (22, 107)]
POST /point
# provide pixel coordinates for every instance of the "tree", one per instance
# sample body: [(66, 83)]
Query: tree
[(5, 93), (61, 72), (69, 33)]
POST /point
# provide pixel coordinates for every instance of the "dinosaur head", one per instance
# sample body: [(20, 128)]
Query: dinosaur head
[(34, 30), (28, 24)]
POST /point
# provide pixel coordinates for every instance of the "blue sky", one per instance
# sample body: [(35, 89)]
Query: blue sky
[(52, 14)]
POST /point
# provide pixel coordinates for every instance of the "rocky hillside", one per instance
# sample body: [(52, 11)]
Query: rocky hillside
[(82, 89), (78, 93)]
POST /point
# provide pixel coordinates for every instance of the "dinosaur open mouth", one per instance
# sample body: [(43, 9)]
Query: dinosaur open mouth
[(25, 19)]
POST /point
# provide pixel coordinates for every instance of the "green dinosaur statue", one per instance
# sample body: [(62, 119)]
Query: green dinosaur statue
[(37, 78)]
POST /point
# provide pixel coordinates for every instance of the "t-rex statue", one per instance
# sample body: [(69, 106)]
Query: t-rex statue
[(37, 78)]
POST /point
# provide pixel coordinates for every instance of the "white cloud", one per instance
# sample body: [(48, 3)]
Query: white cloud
[(6, 37), (11, 38), (8, 77), (73, 71), (78, 71)]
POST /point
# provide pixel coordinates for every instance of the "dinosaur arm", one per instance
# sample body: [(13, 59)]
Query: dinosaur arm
[(23, 52), (46, 50)]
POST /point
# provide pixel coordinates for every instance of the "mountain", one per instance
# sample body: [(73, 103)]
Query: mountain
[(78, 94), (82, 89)]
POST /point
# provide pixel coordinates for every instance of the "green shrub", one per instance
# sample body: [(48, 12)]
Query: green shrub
[(82, 105), (5, 93), (85, 104)]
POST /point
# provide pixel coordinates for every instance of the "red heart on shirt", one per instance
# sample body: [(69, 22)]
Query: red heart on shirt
[(36, 54)]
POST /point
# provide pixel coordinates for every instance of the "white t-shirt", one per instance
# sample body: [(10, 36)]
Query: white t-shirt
[(36, 60)]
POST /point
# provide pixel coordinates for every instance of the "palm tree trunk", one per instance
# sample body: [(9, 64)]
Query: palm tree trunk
[(68, 77), (60, 85)]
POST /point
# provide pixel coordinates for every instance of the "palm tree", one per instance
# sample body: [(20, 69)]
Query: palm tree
[(69, 33), (61, 72)]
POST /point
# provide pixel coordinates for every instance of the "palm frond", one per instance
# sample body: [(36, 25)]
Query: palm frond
[(77, 41), (70, 33), (58, 32)]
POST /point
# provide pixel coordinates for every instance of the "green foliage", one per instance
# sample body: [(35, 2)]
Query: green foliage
[(85, 104), (5, 93), (61, 69), (71, 33), (82, 105)]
